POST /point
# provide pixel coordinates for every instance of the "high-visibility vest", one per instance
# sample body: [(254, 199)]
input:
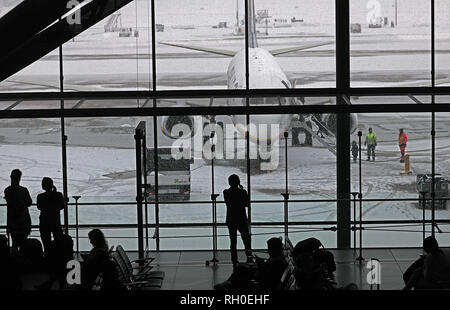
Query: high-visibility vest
[(371, 138), (402, 138)]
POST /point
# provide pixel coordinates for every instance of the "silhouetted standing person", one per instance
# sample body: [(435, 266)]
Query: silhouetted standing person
[(18, 200), (50, 203), (236, 199)]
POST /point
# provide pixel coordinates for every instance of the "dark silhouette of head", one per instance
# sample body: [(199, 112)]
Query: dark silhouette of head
[(353, 142), (16, 175), (97, 238), (234, 181), (400, 130), (47, 184), (275, 247), (4, 249), (430, 245), (370, 130)]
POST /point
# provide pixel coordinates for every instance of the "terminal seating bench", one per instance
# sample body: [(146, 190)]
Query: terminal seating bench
[(143, 279)]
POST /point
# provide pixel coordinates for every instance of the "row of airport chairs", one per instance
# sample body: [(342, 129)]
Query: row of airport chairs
[(134, 277)]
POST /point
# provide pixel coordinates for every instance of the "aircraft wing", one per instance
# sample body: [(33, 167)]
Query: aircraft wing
[(195, 102), (424, 83), (202, 49), (302, 47), (53, 85)]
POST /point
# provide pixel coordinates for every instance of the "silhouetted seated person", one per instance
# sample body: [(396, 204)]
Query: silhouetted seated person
[(18, 200), (60, 252), (264, 274), (98, 262), (236, 200), (430, 271), (9, 274), (31, 255), (314, 266)]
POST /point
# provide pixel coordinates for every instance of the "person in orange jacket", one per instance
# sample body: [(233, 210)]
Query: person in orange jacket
[(402, 140)]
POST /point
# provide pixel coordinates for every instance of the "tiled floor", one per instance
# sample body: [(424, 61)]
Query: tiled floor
[(188, 270)]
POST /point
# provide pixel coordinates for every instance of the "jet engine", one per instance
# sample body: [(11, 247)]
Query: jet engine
[(330, 122), (180, 126)]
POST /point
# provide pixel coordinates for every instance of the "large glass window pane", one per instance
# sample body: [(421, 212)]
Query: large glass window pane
[(114, 54), (196, 44), (34, 147), (42, 75), (8, 5), (442, 42), (390, 43), (442, 177), (101, 160), (296, 45), (387, 177)]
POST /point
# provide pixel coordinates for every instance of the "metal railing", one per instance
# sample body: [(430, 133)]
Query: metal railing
[(264, 227)]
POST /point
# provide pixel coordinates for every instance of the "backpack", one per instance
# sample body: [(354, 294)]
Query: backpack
[(32, 251), (306, 246)]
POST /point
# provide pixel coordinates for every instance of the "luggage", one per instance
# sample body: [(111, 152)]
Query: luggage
[(306, 246), (311, 248)]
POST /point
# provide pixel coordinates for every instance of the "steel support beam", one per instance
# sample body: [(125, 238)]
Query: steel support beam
[(343, 124)]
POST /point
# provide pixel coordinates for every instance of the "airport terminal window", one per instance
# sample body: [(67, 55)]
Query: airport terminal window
[(8, 5), (102, 169), (296, 43), (442, 43), (197, 238), (42, 75), (114, 54), (196, 42), (34, 147), (387, 177), (442, 179), (390, 45)]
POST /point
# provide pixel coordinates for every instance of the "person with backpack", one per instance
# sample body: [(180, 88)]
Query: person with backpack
[(50, 203)]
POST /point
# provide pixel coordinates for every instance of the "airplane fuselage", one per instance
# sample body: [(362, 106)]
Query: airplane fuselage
[(264, 73)]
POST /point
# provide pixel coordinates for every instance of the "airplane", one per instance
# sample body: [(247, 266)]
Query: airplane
[(264, 72)]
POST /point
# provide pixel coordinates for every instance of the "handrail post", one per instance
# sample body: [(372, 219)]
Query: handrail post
[(423, 214), (214, 196), (354, 194), (286, 193), (360, 257), (76, 221)]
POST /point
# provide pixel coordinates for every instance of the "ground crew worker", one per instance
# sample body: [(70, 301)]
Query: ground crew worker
[(371, 143), (402, 140), (355, 150)]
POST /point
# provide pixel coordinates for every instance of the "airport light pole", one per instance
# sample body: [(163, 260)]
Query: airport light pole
[(396, 13), (214, 196), (360, 257), (286, 193)]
